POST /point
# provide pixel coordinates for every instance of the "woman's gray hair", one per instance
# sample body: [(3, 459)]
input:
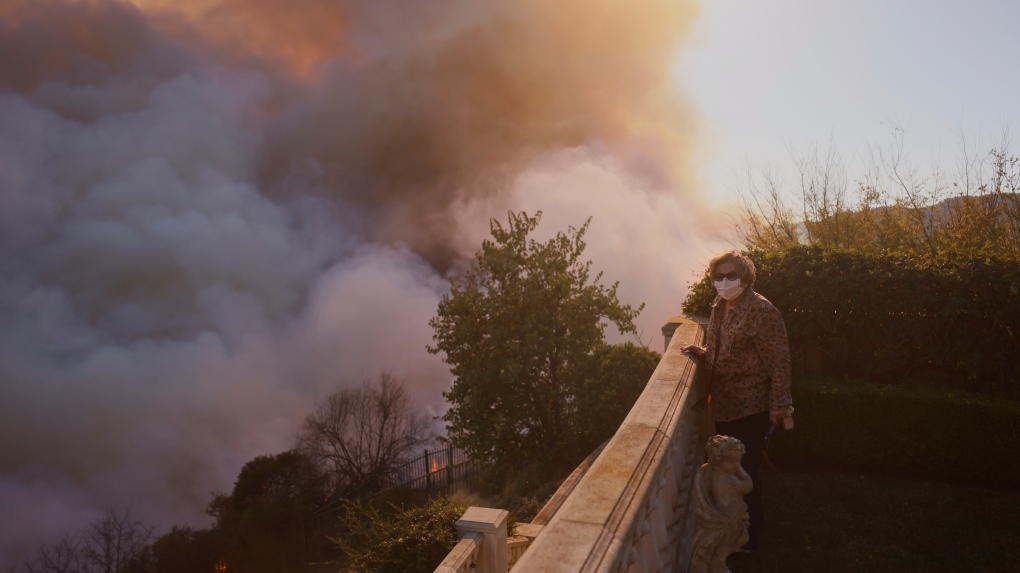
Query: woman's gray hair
[(744, 265)]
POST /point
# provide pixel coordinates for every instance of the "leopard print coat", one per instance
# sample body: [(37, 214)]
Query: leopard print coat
[(748, 358)]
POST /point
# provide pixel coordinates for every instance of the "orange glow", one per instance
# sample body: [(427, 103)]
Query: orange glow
[(300, 34), (435, 465), (220, 566)]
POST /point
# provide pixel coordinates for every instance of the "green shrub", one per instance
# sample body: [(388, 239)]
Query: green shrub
[(907, 429), (524, 509), (395, 540), (605, 385), (954, 316), (609, 383)]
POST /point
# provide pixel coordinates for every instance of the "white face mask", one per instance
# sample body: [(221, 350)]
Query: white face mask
[(728, 289)]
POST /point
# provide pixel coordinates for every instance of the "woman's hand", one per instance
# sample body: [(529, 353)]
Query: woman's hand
[(781, 419), (694, 349)]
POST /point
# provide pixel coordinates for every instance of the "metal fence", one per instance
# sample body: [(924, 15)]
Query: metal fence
[(440, 471), (436, 472)]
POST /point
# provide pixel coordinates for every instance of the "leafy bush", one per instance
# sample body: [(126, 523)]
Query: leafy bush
[(414, 540), (605, 386), (907, 429), (954, 316), (610, 381), (524, 509)]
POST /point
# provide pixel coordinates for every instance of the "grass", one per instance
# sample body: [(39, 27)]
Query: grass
[(829, 522)]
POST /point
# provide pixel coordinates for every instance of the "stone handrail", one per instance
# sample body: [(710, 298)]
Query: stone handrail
[(627, 507), (461, 559), (563, 492), (483, 543), (631, 510)]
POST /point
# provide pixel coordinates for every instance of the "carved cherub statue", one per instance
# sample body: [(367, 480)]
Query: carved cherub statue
[(719, 488)]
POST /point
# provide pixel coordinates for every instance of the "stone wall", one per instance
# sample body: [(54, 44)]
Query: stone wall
[(627, 508), (631, 509)]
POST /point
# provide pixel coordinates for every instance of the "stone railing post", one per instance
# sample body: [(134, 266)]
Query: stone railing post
[(674, 322), (669, 329), (491, 524)]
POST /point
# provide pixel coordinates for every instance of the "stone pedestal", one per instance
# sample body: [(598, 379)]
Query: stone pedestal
[(491, 524)]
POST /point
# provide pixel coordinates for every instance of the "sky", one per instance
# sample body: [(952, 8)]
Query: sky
[(214, 213), (773, 76)]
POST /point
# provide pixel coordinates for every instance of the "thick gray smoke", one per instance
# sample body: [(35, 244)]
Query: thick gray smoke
[(200, 237)]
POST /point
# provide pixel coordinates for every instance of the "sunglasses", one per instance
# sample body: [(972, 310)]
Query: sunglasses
[(728, 276)]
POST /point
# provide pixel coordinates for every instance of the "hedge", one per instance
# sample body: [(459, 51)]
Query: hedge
[(953, 317), (939, 434)]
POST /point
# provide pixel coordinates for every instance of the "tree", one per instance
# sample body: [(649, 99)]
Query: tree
[(891, 205), (361, 435), (186, 550), (265, 523), (111, 543), (64, 557), (517, 329), (107, 545)]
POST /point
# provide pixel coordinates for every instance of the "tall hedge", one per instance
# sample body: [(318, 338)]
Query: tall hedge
[(954, 316), (906, 429)]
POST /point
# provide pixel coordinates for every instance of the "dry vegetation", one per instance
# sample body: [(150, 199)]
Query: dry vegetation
[(883, 202)]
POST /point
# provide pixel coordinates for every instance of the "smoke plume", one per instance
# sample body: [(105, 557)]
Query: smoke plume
[(213, 213)]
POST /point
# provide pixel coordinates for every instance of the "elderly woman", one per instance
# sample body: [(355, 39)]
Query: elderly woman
[(747, 356)]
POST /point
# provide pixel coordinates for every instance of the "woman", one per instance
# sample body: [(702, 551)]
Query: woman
[(747, 356)]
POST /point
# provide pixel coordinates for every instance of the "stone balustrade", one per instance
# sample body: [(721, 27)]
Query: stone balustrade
[(515, 548), (628, 508), (518, 544), (483, 543), (461, 559)]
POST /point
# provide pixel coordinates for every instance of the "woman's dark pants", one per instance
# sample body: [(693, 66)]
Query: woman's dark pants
[(751, 431)]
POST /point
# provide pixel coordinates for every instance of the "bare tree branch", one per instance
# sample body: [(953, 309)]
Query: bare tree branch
[(361, 435), (107, 545)]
